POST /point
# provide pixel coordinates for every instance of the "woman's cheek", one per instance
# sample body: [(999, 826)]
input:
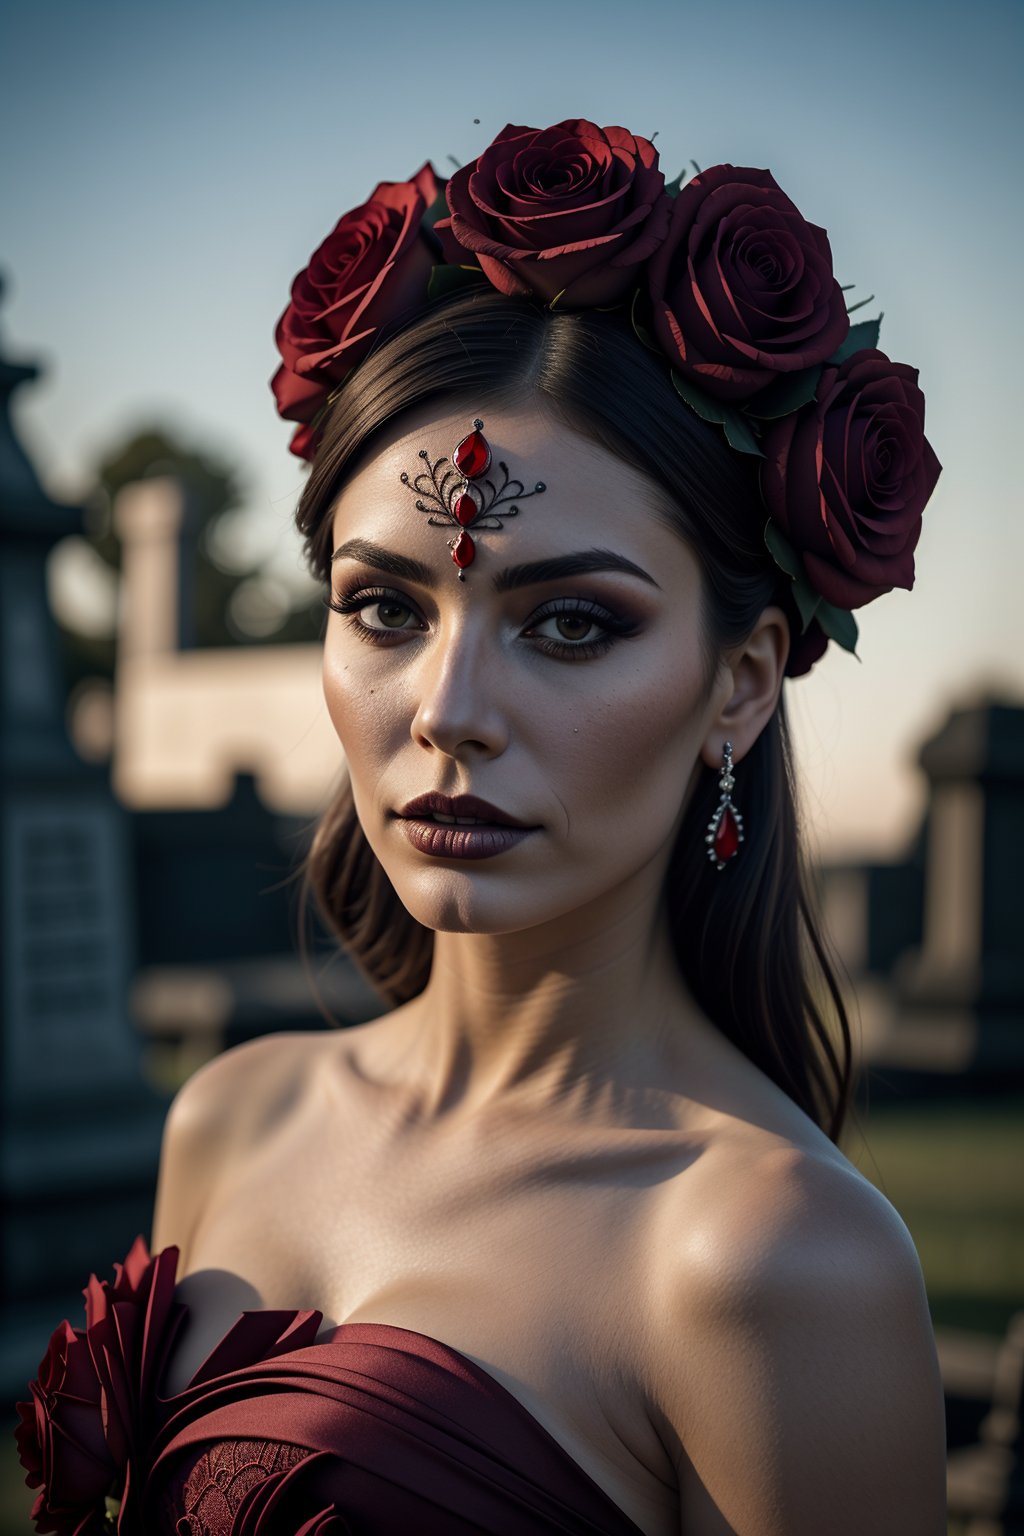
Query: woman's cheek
[(366, 713), (642, 742)]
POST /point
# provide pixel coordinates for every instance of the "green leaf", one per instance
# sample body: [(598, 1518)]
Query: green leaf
[(647, 337), (864, 334), (739, 434), (672, 187), (711, 410), (807, 600), (781, 550), (445, 279), (438, 208), (785, 394), (839, 624)]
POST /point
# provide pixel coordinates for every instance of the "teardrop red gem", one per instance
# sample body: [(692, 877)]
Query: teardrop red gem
[(727, 836), (464, 550), (473, 456), (464, 510)]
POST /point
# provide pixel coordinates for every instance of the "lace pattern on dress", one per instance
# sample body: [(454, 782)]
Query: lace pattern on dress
[(209, 1491)]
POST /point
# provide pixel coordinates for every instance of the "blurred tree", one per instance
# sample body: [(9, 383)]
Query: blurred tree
[(233, 601)]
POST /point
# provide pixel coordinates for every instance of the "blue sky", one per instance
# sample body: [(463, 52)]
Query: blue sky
[(175, 165)]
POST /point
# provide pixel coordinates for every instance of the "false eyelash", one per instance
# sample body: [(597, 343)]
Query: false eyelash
[(361, 597)]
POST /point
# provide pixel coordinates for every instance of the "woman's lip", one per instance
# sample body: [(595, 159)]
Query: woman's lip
[(442, 840), (466, 805)]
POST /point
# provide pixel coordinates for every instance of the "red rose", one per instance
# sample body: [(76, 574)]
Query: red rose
[(846, 478), (61, 1441), (570, 211), (87, 1424), (288, 1503), (742, 288), (373, 266)]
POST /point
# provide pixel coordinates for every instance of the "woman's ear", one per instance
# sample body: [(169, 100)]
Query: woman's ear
[(747, 689)]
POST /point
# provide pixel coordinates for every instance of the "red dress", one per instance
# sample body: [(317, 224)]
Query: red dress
[(374, 1429)]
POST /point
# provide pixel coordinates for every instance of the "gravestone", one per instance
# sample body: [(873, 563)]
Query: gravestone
[(935, 950), (79, 1127)]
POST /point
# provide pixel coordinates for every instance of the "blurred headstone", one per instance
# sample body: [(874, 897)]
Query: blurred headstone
[(966, 980), (935, 945), (79, 1129)]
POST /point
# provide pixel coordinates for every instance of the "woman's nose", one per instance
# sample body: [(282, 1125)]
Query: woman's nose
[(461, 703)]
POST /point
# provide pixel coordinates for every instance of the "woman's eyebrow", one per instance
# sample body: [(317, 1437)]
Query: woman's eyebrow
[(582, 563), (383, 559)]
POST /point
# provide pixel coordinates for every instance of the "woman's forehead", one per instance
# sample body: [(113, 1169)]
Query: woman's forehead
[(590, 496)]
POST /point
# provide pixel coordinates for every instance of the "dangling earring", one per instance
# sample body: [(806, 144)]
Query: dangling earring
[(725, 829)]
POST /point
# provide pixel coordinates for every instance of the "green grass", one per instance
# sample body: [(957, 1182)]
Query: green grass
[(953, 1171)]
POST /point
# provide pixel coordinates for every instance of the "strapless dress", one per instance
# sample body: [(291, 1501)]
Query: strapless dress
[(373, 1430)]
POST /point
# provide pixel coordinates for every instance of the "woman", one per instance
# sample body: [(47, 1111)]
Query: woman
[(564, 1241)]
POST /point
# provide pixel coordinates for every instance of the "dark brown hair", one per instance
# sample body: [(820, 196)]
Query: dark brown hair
[(748, 940)]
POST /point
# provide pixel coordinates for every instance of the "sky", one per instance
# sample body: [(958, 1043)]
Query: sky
[(174, 166)]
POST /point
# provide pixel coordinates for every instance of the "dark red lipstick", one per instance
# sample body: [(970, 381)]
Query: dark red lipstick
[(460, 826)]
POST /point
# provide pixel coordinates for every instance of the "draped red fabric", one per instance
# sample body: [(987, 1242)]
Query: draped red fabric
[(374, 1429)]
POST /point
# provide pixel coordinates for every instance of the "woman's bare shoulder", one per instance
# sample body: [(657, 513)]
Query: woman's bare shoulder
[(797, 1316), (777, 1196), (242, 1085), (226, 1106)]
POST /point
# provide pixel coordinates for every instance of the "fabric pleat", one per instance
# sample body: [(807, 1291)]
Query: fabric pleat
[(374, 1429)]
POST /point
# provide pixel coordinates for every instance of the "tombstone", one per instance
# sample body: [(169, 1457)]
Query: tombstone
[(79, 1127), (962, 990), (934, 944)]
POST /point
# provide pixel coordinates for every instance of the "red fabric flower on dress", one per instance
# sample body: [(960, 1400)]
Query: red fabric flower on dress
[(84, 1431)]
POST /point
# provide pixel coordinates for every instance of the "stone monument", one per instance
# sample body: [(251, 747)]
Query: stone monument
[(80, 1129)]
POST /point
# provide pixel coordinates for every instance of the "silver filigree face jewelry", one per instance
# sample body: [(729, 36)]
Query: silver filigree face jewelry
[(460, 495)]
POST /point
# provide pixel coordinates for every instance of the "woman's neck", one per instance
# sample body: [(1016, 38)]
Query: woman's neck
[(556, 1020)]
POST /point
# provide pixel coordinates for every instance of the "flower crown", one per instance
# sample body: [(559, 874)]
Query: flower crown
[(721, 274)]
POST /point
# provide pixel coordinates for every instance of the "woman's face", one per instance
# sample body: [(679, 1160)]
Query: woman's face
[(573, 702)]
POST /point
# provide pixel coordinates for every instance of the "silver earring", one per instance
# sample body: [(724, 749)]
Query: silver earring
[(725, 829)]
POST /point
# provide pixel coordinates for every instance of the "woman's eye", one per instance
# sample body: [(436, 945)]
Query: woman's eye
[(375, 611), (568, 626), (577, 630), (391, 615)]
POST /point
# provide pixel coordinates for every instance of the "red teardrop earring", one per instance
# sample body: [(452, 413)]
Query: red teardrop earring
[(725, 829)]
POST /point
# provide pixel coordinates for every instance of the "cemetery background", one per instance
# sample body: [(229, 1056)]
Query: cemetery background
[(148, 829)]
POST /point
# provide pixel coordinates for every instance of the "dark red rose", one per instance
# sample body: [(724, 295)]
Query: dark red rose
[(373, 266), (86, 1427), (570, 211), (742, 288), (61, 1441), (289, 1503), (846, 478)]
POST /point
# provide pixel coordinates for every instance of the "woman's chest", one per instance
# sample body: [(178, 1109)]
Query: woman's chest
[(542, 1274)]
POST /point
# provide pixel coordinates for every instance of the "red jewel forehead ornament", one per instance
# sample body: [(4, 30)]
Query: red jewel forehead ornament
[(460, 497)]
